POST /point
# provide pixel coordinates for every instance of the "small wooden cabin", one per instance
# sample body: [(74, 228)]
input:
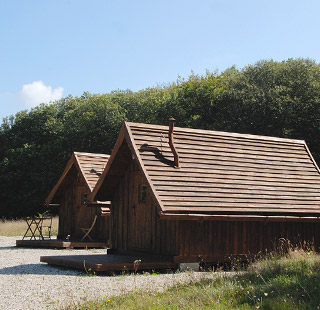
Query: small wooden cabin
[(71, 194), (208, 193)]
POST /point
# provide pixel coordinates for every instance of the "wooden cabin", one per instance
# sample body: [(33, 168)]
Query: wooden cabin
[(191, 192), (71, 194)]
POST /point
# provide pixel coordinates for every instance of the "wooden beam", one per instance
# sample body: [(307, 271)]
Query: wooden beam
[(228, 217), (99, 203)]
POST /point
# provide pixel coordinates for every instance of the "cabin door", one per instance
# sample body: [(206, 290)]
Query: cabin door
[(140, 219), (65, 213), (82, 216)]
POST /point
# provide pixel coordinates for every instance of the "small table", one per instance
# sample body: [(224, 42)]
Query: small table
[(36, 225)]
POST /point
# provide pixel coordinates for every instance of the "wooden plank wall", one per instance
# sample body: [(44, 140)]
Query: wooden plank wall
[(102, 229), (220, 239), (73, 215), (132, 222), (66, 205)]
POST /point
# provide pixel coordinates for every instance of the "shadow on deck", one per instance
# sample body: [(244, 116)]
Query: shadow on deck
[(60, 244), (110, 262)]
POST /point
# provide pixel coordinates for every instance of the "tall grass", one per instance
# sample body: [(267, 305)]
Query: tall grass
[(19, 227), (289, 282)]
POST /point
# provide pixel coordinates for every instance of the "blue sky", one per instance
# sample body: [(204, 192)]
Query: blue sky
[(55, 48)]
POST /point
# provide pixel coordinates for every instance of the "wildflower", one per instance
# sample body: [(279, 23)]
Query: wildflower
[(265, 294), (109, 300)]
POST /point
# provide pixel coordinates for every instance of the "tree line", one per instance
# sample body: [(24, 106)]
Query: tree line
[(268, 98)]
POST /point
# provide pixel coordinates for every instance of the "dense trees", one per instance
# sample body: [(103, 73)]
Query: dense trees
[(269, 98)]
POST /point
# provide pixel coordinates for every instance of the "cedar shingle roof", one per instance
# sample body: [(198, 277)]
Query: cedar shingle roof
[(225, 173), (90, 165)]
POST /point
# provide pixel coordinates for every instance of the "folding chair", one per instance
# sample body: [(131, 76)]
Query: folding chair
[(88, 230), (45, 227)]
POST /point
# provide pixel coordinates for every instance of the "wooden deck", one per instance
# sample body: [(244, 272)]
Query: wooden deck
[(60, 244), (110, 262)]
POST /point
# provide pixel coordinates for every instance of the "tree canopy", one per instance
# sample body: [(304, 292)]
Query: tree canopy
[(268, 98)]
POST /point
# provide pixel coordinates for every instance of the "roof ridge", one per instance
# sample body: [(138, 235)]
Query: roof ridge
[(219, 133)]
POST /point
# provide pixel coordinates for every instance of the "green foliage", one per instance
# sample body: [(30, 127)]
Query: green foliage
[(269, 98), (280, 283), (195, 102)]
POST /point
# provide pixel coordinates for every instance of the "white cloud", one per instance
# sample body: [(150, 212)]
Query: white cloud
[(37, 92)]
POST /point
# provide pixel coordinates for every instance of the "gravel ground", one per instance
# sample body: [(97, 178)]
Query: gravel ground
[(25, 283)]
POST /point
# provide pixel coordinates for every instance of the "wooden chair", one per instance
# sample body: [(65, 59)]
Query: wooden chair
[(45, 227), (88, 230)]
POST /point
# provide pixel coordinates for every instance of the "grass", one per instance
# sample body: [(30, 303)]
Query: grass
[(19, 227), (287, 282)]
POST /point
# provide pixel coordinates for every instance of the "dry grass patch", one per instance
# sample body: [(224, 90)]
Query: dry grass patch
[(18, 227)]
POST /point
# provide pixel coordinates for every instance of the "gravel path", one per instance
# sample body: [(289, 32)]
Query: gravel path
[(25, 283)]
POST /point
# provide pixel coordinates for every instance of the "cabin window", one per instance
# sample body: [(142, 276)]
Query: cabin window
[(142, 194), (84, 199)]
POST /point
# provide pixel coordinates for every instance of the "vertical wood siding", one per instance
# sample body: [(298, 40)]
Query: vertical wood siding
[(73, 215)]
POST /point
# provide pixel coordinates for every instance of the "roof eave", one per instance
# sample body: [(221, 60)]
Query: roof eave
[(238, 217), (71, 161)]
